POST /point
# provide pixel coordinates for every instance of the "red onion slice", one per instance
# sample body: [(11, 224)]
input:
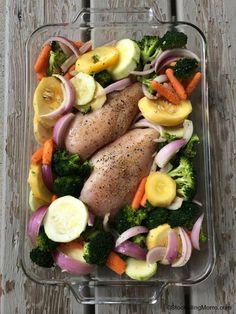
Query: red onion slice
[(91, 219), (161, 78), (196, 232), (131, 232), (35, 223), (168, 56), (167, 168), (118, 86), (186, 249), (68, 63), (86, 46), (47, 176), (172, 247), (176, 204), (188, 130), (67, 51), (71, 265), (143, 123), (167, 152), (156, 254), (68, 101), (60, 129), (131, 249), (110, 43), (197, 202), (66, 42), (144, 72)]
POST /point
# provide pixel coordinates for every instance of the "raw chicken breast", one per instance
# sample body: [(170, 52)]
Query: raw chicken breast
[(118, 169), (87, 133)]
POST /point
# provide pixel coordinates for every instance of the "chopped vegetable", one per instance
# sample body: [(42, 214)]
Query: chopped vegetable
[(54, 197), (96, 251), (189, 151), (185, 178), (165, 92), (157, 216), (104, 78), (57, 58), (149, 48), (140, 240), (128, 217), (140, 270), (37, 156), (185, 68), (44, 243), (43, 59), (70, 185), (139, 194), (116, 263), (48, 148), (178, 87), (173, 39), (41, 258), (193, 83)]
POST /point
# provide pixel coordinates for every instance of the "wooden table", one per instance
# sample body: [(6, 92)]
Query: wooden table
[(217, 20)]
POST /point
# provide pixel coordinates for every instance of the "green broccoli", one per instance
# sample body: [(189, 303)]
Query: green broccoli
[(41, 258), (157, 216), (68, 186), (98, 248), (185, 68), (65, 164), (56, 59), (184, 176), (128, 217), (149, 48), (189, 151), (89, 233), (140, 239), (104, 78), (146, 80), (44, 243), (173, 39), (202, 236), (184, 216)]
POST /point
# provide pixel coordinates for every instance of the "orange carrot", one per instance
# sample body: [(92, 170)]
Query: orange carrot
[(116, 263), (68, 76), (165, 92), (139, 194), (37, 156), (72, 245), (78, 43), (193, 83), (47, 152), (40, 76), (42, 61), (178, 87), (54, 197), (143, 200)]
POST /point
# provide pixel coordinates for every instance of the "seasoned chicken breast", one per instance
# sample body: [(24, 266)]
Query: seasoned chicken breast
[(88, 133), (118, 169)]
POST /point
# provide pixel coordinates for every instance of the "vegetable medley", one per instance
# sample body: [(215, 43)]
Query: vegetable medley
[(163, 222)]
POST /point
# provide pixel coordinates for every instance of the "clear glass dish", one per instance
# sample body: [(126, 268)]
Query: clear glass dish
[(103, 25)]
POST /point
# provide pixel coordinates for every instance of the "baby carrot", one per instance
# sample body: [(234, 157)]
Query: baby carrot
[(143, 200), (40, 76), (165, 92), (193, 83), (116, 263), (54, 197), (78, 43), (178, 87), (42, 61), (37, 156), (71, 245), (68, 75), (139, 194), (47, 152)]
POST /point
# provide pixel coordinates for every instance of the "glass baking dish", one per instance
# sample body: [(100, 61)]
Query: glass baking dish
[(103, 286)]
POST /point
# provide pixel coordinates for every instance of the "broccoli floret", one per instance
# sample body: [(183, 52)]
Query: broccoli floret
[(90, 232), (157, 216), (173, 39), (44, 243), (98, 248), (149, 48), (184, 176), (140, 239), (65, 164), (185, 68), (189, 151), (68, 186), (146, 80), (185, 216), (128, 217), (41, 258), (104, 78), (202, 236), (56, 59)]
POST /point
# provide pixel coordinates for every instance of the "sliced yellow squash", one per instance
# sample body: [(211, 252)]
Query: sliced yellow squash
[(97, 60), (160, 189), (163, 112), (41, 133)]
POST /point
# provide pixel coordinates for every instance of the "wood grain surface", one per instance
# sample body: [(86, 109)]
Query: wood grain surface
[(18, 19), (217, 20)]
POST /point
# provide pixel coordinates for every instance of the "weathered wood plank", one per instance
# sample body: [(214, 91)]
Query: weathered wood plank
[(217, 20)]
